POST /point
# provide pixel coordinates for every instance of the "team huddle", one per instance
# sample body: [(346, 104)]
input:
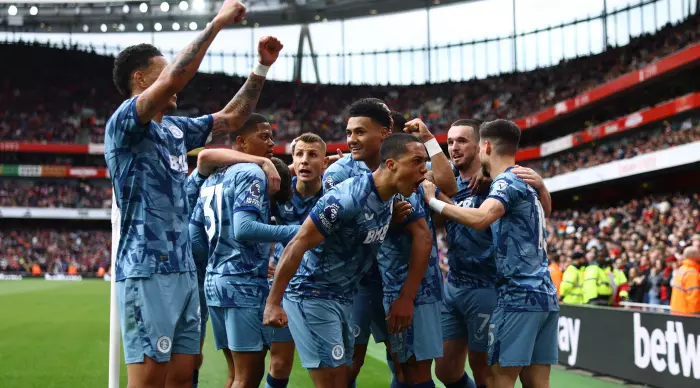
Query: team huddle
[(317, 256)]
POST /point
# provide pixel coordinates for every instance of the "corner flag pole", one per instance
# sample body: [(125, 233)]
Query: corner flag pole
[(114, 340)]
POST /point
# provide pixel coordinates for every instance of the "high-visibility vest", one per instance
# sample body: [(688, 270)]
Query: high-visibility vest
[(572, 285), (596, 283), (685, 295)]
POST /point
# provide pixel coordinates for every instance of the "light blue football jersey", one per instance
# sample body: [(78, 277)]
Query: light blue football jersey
[(470, 251), (520, 242), (355, 221), (395, 254), (147, 164), (237, 270), (293, 212)]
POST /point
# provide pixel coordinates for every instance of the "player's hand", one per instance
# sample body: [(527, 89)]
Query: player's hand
[(273, 177), (530, 176), (429, 190), (271, 269), (269, 49), (400, 314), (274, 316), (401, 211), (479, 181), (231, 11), (418, 128), (334, 158)]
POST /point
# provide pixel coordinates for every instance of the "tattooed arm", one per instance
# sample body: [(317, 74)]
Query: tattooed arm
[(154, 100), (237, 111)]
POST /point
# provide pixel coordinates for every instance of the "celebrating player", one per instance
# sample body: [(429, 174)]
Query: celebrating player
[(308, 152), (353, 220), (524, 323), (418, 343), (470, 290), (207, 162), (230, 223), (156, 285)]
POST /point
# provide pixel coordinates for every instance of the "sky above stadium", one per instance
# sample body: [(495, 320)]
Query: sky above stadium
[(448, 24)]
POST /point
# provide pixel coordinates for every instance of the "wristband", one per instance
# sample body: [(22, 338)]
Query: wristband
[(432, 147), (261, 70), (437, 205)]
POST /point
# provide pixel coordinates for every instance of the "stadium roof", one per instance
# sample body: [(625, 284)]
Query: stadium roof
[(142, 16)]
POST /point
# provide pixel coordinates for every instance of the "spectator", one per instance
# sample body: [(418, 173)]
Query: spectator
[(685, 297), (655, 281)]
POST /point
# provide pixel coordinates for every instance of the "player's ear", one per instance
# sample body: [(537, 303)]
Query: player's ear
[(391, 165), (240, 142), (385, 132), (326, 160), (139, 79)]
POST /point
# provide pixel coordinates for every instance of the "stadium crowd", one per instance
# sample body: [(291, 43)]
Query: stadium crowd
[(48, 250), (655, 138), (67, 193), (38, 108)]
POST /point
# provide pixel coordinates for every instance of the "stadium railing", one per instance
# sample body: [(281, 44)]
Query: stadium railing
[(651, 348), (646, 306)]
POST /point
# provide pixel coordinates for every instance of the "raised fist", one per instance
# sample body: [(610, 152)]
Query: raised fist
[(231, 11), (269, 49)]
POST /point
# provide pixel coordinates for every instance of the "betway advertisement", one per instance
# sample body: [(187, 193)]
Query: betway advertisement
[(660, 350)]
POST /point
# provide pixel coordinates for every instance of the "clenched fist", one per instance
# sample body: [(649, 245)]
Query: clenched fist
[(231, 11), (269, 49)]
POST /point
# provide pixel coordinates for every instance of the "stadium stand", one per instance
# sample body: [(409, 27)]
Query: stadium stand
[(76, 104)]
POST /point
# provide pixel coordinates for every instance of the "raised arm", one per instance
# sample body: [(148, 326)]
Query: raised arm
[(443, 174), (308, 237), (176, 75), (237, 111)]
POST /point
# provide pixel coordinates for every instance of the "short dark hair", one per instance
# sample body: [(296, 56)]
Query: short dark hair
[(310, 138), (504, 134), (133, 58), (473, 123), (399, 122), (251, 123), (395, 145), (373, 108), (284, 194)]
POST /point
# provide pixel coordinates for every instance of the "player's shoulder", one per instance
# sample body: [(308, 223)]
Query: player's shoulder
[(245, 170), (125, 111), (508, 180)]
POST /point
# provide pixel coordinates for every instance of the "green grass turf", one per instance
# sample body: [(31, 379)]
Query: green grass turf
[(56, 334)]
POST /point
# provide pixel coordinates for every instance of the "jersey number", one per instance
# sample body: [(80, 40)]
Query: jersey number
[(208, 193), (542, 227)]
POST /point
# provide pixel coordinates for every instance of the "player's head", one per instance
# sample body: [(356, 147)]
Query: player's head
[(398, 122), (284, 194), (309, 157), (404, 156), (369, 124), (138, 67), (463, 143), (254, 137), (498, 138)]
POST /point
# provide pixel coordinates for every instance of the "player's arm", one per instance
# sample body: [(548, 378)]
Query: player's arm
[(443, 174), (210, 159), (439, 219), (400, 313), (198, 237), (532, 178), (308, 237), (246, 227), (176, 75), (479, 219)]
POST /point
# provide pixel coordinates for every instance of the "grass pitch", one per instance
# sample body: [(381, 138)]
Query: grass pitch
[(56, 334)]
